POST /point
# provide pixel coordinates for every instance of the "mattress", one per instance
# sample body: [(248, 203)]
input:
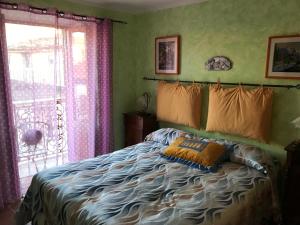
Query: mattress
[(136, 185)]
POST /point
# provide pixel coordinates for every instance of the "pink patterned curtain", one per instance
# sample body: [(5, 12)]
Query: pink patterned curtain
[(81, 90), (9, 177), (60, 77), (104, 131)]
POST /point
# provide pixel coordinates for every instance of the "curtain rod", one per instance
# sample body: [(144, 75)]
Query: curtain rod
[(297, 86), (59, 13)]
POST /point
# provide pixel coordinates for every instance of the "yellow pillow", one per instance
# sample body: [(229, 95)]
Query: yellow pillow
[(179, 104), (240, 111), (196, 153)]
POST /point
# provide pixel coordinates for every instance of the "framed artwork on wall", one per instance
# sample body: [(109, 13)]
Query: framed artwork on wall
[(283, 59), (167, 55)]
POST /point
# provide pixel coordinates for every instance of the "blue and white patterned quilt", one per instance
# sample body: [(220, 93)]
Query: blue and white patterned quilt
[(138, 186)]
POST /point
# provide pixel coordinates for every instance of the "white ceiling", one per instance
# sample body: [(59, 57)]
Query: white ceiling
[(138, 6)]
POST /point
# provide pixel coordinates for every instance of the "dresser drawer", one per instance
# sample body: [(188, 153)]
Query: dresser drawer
[(137, 126), (133, 121), (291, 213), (133, 137)]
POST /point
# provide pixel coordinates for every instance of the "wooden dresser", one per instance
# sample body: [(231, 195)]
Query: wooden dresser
[(291, 205), (137, 126)]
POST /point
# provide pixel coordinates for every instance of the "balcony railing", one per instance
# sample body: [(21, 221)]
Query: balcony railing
[(41, 136)]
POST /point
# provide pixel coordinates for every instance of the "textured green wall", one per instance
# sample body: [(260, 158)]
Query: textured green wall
[(238, 29), (123, 65)]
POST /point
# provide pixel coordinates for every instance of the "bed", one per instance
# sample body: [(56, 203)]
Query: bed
[(136, 185)]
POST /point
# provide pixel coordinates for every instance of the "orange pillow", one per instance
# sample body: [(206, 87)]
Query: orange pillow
[(179, 104), (196, 153), (240, 111)]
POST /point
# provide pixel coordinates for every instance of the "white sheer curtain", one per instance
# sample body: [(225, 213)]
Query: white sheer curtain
[(52, 64)]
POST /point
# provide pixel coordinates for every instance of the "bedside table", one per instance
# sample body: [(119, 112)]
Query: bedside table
[(137, 126), (291, 215)]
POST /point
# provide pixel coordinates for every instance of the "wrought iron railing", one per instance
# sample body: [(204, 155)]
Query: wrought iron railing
[(41, 133)]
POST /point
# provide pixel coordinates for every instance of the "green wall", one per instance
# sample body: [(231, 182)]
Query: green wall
[(238, 29), (123, 65)]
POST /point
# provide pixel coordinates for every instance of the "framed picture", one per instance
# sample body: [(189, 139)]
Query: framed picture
[(283, 59), (167, 55)]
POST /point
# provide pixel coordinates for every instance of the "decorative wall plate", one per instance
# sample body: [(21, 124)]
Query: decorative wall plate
[(218, 63)]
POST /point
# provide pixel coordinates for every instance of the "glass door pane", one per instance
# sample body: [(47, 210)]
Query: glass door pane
[(37, 76)]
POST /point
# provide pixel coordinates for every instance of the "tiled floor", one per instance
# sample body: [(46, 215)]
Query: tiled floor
[(7, 215)]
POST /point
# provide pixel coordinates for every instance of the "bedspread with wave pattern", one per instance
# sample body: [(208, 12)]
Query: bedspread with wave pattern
[(137, 186)]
